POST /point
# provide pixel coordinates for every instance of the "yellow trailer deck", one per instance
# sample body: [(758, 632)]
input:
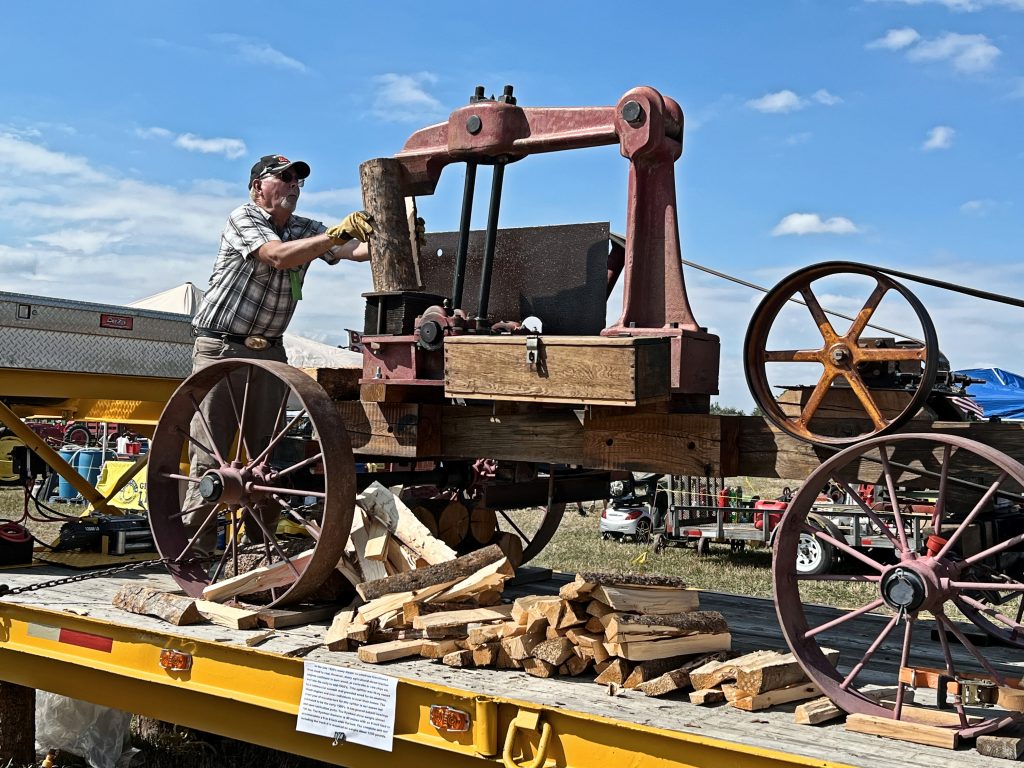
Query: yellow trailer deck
[(70, 640)]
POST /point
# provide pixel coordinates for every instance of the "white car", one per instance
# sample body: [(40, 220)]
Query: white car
[(627, 518)]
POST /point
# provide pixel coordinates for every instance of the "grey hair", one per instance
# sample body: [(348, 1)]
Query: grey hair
[(252, 192)]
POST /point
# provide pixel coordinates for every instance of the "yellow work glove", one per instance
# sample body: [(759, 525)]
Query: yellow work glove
[(357, 225)]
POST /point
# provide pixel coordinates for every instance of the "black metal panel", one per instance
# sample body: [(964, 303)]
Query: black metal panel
[(556, 273), (395, 313)]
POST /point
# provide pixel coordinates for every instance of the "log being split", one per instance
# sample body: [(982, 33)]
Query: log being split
[(453, 570), (392, 245)]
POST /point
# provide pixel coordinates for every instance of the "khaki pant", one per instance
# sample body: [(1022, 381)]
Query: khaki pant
[(266, 393)]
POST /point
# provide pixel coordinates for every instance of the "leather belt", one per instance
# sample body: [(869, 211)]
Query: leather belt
[(255, 341)]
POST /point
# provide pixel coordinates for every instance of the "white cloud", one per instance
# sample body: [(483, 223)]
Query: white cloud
[(813, 224), (260, 53), (967, 53), (19, 155), (230, 148), (978, 207), (404, 98), (824, 97), (939, 137), (778, 102), (896, 39), (88, 242)]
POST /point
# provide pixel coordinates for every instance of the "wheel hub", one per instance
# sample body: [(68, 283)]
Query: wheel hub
[(227, 485), (840, 354), (903, 589)]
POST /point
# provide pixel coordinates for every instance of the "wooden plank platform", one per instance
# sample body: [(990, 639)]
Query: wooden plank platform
[(751, 620)]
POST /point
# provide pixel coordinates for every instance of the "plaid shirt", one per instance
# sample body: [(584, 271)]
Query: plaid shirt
[(247, 296)]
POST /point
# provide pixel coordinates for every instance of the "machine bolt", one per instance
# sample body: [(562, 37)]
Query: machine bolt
[(474, 124), (633, 113), (506, 95), (840, 355), (478, 95)]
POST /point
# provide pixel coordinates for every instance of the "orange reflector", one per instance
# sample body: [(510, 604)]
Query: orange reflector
[(448, 719), (175, 661)]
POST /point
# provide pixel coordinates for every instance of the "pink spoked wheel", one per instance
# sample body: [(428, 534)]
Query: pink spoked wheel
[(967, 564), (286, 500)]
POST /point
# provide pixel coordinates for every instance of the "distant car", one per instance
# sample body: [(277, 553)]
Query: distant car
[(623, 518)]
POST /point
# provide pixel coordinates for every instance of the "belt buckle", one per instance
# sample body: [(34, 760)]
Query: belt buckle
[(257, 343)]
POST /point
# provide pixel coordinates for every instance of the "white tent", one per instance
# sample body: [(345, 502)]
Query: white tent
[(302, 352)]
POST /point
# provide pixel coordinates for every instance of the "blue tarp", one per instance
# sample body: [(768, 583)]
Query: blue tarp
[(1001, 395)]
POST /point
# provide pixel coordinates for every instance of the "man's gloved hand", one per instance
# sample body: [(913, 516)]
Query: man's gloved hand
[(357, 225), (421, 232)]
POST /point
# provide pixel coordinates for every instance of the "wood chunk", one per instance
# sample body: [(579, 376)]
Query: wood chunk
[(253, 640), (556, 652), (377, 545), (399, 558), (363, 528), (281, 618), (396, 649), (706, 696), (594, 625), (673, 680), (486, 580), (486, 655), (619, 626), (601, 666), (505, 661), (1007, 744), (576, 665), (631, 579), (551, 633), (436, 649), (579, 589), (616, 671), (772, 674), (453, 570), (532, 608), (648, 670), (258, 579), (405, 525), (226, 615), (521, 647), (386, 604), (458, 659), (716, 672), (453, 523), (491, 596), (423, 608), (598, 609), (673, 646), (456, 618), (818, 711), (512, 546), (174, 609), (648, 599), (486, 634), (772, 698), (539, 667), (730, 691), (903, 730)]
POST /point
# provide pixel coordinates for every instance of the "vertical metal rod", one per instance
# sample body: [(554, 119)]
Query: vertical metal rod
[(464, 224), (489, 239)]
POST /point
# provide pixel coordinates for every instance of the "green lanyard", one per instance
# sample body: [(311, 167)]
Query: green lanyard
[(295, 277)]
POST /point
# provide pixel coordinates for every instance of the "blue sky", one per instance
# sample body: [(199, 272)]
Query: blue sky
[(886, 132)]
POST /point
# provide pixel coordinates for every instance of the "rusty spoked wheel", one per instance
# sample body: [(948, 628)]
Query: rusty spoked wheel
[(533, 528), (877, 383), (971, 558), (250, 499)]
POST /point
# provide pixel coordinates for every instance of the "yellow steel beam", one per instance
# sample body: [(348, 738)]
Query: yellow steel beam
[(24, 383), (251, 695), (54, 459)]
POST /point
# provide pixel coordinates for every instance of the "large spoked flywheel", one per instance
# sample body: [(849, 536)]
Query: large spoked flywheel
[(837, 387), (284, 498), (967, 563)]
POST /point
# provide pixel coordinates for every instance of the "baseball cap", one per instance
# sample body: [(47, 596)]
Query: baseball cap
[(276, 164)]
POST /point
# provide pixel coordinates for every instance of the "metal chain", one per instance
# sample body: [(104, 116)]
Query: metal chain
[(127, 568)]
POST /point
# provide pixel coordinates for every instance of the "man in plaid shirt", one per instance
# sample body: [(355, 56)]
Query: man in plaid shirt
[(265, 250)]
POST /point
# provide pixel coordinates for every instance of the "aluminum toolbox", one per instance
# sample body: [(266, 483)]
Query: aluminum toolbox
[(41, 333)]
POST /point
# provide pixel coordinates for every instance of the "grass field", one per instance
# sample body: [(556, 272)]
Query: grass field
[(576, 546)]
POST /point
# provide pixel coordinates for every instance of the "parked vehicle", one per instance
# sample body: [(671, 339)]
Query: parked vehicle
[(637, 508)]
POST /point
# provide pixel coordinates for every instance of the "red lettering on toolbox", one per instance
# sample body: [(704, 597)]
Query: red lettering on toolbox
[(86, 640), (118, 322)]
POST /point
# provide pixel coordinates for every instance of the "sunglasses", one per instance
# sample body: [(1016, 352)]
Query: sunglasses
[(287, 177)]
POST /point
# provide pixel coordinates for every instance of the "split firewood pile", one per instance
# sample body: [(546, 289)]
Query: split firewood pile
[(635, 627)]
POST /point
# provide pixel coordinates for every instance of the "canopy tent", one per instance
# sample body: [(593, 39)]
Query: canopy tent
[(302, 352), (1001, 394)]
